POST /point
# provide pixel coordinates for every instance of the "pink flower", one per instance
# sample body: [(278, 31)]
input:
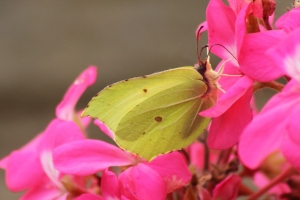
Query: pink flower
[(232, 112), (36, 173), (142, 180), (277, 126), (110, 185), (65, 110), (252, 58)]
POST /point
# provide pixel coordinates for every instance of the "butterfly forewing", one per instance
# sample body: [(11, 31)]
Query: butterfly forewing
[(154, 114), (113, 102)]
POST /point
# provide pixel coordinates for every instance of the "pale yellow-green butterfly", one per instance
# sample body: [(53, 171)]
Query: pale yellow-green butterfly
[(158, 113)]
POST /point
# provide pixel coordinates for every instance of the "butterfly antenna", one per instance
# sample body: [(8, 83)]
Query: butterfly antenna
[(197, 46), (205, 46), (223, 47)]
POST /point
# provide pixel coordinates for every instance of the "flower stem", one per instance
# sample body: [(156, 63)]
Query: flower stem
[(267, 24), (280, 178), (224, 157), (170, 196), (206, 155), (273, 85), (244, 190)]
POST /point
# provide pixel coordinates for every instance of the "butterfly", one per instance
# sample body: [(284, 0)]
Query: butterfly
[(157, 113)]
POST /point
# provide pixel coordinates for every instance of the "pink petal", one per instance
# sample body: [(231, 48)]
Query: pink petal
[(252, 58), (285, 55), (232, 95), (289, 21), (221, 28), (89, 197), (272, 18), (257, 8), (23, 173), (291, 151), (225, 130), (59, 132), (293, 125), (228, 188), (126, 184), (110, 185), (42, 191), (197, 154), (104, 128), (240, 26), (86, 157), (3, 162), (200, 29), (65, 109), (173, 169), (146, 183), (47, 165), (269, 126), (237, 5)]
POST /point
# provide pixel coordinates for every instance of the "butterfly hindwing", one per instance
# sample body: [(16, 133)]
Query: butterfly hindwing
[(172, 122)]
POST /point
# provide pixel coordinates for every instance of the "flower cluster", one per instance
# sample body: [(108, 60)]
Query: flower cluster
[(245, 152)]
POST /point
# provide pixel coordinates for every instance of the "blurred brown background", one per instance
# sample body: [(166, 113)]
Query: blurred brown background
[(44, 45)]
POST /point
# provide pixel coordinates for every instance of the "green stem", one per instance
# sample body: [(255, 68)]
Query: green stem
[(273, 85), (280, 178)]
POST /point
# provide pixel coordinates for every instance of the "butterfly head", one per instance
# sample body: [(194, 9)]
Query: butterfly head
[(210, 76)]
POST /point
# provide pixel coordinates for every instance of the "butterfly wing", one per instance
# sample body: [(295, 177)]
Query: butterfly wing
[(154, 114), (165, 122)]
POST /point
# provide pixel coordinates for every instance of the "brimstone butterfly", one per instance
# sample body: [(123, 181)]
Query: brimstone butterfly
[(158, 113)]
